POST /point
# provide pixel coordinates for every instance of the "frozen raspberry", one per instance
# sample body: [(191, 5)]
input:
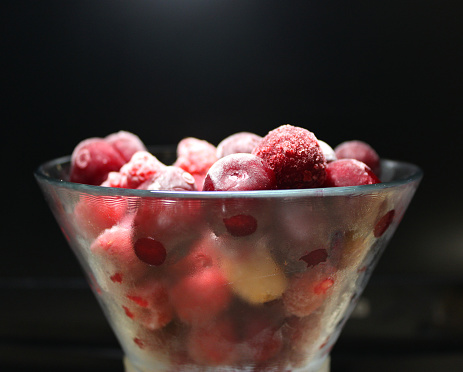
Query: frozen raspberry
[(349, 172), (361, 151), (92, 160), (239, 172), (142, 167), (93, 214), (196, 157), (214, 343), (307, 291), (295, 156), (148, 304), (200, 296), (125, 143), (328, 151), (241, 142), (172, 178)]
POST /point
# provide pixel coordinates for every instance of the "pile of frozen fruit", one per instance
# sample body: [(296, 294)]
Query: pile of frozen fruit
[(224, 285)]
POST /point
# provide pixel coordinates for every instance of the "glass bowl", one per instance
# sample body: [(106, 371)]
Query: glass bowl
[(228, 281)]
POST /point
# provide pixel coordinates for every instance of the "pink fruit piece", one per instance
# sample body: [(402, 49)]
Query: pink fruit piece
[(295, 156), (115, 250), (172, 178), (361, 151), (214, 343), (93, 214), (173, 224), (241, 142), (92, 160), (125, 143), (307, 291), (239, 172), (349, 172), (196, 157), (148, 304), (201, 296), (383, 223)]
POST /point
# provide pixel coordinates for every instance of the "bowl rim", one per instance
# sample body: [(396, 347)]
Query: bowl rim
[(413, 174)]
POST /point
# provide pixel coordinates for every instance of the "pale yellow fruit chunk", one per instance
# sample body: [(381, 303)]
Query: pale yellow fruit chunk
[(255, 276)]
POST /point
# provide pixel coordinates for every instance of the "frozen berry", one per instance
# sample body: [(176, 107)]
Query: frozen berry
[(125, 143), (148, 304), (241, 142), (349, 172), (295, 156), (172, 178), (92, 160), (239, 172), (307, 291), (201, 296), (196, 157), (214, 343), (93, 214), (328, 151), (361, 151), (150, 251)]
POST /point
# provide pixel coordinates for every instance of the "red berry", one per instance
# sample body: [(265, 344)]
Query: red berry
[(239, 172), (315, 257), (200, 296), (295, 156), (150, 251), (240, 225), (196, 157), (241, 142), (125, 143), (171, 178), (361, 151), (349, 172), (92, 160)]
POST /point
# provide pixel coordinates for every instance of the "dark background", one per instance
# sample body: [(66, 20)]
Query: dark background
[(389, 73)]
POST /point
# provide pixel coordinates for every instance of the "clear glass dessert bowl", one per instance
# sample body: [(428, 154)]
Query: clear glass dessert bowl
[(228, 281)]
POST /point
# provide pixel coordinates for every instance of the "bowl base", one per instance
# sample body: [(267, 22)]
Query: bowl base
[(325, 367)]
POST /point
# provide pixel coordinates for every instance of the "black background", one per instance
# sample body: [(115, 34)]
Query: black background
[(389, 73)]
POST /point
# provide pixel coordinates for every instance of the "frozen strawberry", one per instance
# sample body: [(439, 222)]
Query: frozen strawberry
[(148, 304), (307, 291), (92, 160), (214, 343), (349, 172), (239, 172), (125, 143), (361, 151), (295, 156), (93, 214), (241, 142), (200, 296), (118, 260), (196, 157), (171, 178)]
